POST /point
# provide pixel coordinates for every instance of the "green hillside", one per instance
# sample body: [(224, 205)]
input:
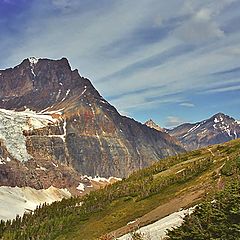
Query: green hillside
[(216, 218), (188, 177)]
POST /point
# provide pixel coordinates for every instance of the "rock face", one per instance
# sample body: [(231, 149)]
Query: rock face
[(150, 123), (219, 128), (70, 125)]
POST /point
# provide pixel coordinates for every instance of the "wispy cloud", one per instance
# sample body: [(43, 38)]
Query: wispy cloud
[(173, 121), (223, 89), (140, 54), (187, 104)]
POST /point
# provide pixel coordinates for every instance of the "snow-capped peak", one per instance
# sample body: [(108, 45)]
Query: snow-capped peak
[(237, 121), (218, 119), (33, 60)]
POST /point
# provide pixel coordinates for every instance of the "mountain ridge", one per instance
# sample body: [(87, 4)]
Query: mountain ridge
[(84, 132), (150, 123), (219, 128)]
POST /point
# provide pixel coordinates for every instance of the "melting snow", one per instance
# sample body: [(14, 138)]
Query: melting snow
[(195, 127), (41, 168), (59, 111), (12, 125), (55, 165), (224, 127), (216, 120), (85, 89), (2, 161), (102, 179), (33, 73), (33, 60), (15, 200), (68, 91), (235, 134), (158, 229), (81, 187), (180, 171), (58, 95)]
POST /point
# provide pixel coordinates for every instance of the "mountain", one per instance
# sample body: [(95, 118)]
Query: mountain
[(145, 197), (56, 128), (150, 123), (219, 128)]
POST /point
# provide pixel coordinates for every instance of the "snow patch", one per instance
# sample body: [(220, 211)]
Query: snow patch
[(195, 127), (67, 93), (81, 187), (15, 200), (41, 168), (12, 125), (216, 120), (102, 179), (33, 60), (2, 161), (157, 230), (85, 89), (235, 134), (237, 121), (180, 171), (58, 95), (55, 165)]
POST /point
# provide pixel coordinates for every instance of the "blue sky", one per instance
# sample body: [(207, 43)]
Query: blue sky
[(173, 61)]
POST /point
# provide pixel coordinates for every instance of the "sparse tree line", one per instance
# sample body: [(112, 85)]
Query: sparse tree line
[(216, 219), (50, 221)]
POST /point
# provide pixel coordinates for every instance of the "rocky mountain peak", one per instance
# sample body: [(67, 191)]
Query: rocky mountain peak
[(150, 123), (217, 129), (220, 117), (41, 83), (60, 118)]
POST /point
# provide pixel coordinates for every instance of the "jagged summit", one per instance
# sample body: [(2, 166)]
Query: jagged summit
[(220, 117), (42, 83), (33, 60), (83, 130), (150, 123)]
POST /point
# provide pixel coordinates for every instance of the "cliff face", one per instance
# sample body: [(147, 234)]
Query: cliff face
[(71, 124)]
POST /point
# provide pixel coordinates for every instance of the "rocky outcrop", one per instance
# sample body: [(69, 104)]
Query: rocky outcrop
[(150, 123), (219, 128), (83, 132)]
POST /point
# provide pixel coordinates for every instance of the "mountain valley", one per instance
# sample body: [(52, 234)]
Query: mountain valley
[(63, 144), (145, 197)]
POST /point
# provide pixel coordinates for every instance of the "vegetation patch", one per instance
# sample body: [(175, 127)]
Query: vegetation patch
[(112, 207)]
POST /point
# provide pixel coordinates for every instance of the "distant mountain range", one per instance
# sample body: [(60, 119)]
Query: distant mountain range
[(219, 128), (59, 134)]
